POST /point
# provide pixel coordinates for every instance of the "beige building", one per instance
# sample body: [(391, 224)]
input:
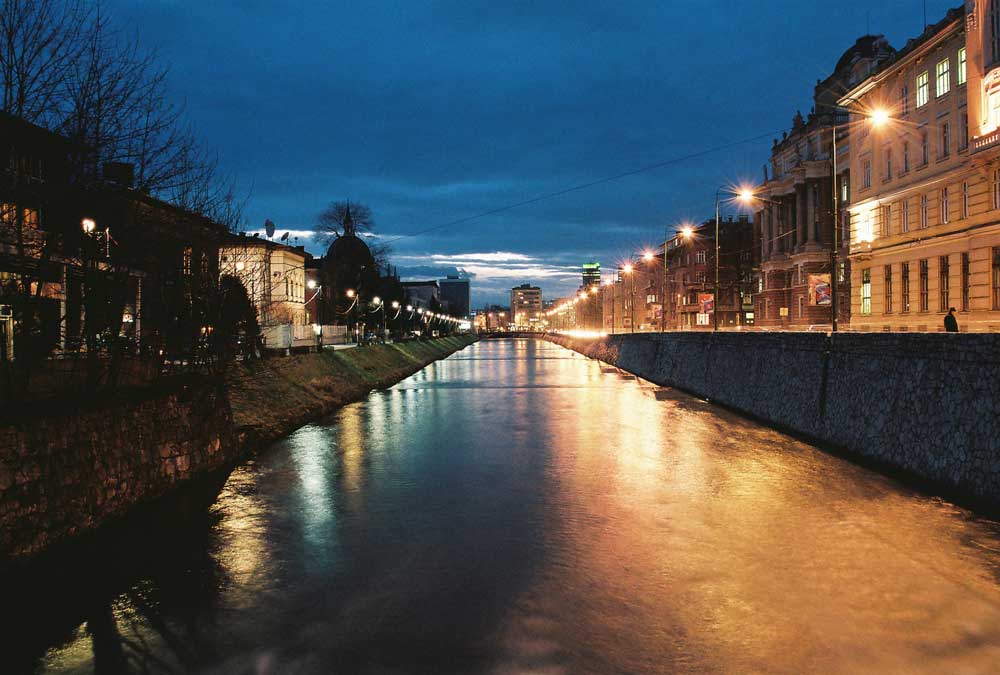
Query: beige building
[(274, 276), (925, 209), (526, 307)]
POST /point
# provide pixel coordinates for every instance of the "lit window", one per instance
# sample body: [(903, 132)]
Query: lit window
[(961, 66), (866, 291), (923, 211), (866, 174), (943, 82), (923, 83), (904, 215), (944, 205)]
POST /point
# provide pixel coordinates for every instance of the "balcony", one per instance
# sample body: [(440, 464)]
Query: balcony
[(990, 140)]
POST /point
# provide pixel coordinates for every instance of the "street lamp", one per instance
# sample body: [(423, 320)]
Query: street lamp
[(631, 306)]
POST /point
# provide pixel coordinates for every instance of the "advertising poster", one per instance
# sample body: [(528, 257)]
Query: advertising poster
[(706, 301), (820, 292)]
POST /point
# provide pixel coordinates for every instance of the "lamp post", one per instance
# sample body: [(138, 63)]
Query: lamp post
[(631, 309), (715, 292)]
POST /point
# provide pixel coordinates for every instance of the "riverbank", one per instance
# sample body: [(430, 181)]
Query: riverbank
[(927, 405), (64, 475), (274, 397)]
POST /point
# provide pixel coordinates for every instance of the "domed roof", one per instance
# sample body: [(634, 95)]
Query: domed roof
[(866, 47), (348, 247)]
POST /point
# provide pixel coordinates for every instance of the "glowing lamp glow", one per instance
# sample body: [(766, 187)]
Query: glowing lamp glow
[(88, 225), (311, 284), (350, 293), (627, 269), (879, 117), (648, 256), (395, 304), (376, 300)]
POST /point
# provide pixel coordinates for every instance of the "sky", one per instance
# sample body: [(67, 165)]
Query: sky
[(436, 112)]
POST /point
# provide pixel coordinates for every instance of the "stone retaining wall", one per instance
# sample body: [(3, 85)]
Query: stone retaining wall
[(63, 475), (925, 403)]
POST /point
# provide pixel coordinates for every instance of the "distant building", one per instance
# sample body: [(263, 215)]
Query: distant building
[(422, 294), (274, 276), (591, 274), (455, 292), (526, 306)]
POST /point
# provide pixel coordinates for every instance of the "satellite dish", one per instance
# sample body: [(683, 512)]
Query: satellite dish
[(284, 237), (269, 228)]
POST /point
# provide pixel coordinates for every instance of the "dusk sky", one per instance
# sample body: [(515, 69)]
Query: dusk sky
[(435, 112)]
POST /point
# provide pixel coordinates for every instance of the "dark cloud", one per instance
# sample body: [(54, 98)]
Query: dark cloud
[(433, 112)]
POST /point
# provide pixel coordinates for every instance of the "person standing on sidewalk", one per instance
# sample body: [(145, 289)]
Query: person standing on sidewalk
[(950, 322)]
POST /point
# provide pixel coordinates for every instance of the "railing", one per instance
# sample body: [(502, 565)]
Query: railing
[(981, 143)]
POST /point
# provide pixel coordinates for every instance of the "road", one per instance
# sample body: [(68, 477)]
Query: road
[(518, 508)]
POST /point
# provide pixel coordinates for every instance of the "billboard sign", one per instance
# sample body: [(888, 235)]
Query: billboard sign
[(820, 290), (706, 301)]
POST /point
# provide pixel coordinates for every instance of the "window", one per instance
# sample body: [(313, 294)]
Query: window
[(904, 100), (887, 173), (996, 277), (961, 66), (866, 173), (923, 211), (906, 156), (965, 282), (943, 82), (945, 149), (944, 205), (922, 89), (943, 283), (845, 191), (904, 215), (963, 131), (866, 291), (887, 309), (924, 286), (186, 260), (886, 214), (904, 278), (965, 199), (699, 258), (924, 149)]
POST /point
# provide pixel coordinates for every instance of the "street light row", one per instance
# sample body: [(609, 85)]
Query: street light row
[(378, 304)]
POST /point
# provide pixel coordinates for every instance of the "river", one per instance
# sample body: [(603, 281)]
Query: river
[(518, 508)]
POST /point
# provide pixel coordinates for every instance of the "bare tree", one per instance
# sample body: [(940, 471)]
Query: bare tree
[(39, 42), (346, 217)]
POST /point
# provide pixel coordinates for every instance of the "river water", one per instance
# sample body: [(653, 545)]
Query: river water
[(518, 508)]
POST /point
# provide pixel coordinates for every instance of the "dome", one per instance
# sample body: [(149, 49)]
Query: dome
[(866, 47), (348, 247)]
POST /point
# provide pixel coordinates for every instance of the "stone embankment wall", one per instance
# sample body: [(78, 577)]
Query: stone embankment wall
[(928, 404), (63, 475)]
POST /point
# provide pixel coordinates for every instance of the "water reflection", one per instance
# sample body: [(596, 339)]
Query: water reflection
[(519, 508)]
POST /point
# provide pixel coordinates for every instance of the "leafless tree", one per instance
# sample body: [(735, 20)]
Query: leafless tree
[(39, 42), (346, 217)]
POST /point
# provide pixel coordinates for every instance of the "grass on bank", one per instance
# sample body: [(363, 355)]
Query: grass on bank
[(274, 396)]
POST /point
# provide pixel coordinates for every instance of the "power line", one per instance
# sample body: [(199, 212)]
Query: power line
[(584, 186)]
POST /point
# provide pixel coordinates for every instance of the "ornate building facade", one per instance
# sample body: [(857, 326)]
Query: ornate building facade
[(793, 222), (925, 222)]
